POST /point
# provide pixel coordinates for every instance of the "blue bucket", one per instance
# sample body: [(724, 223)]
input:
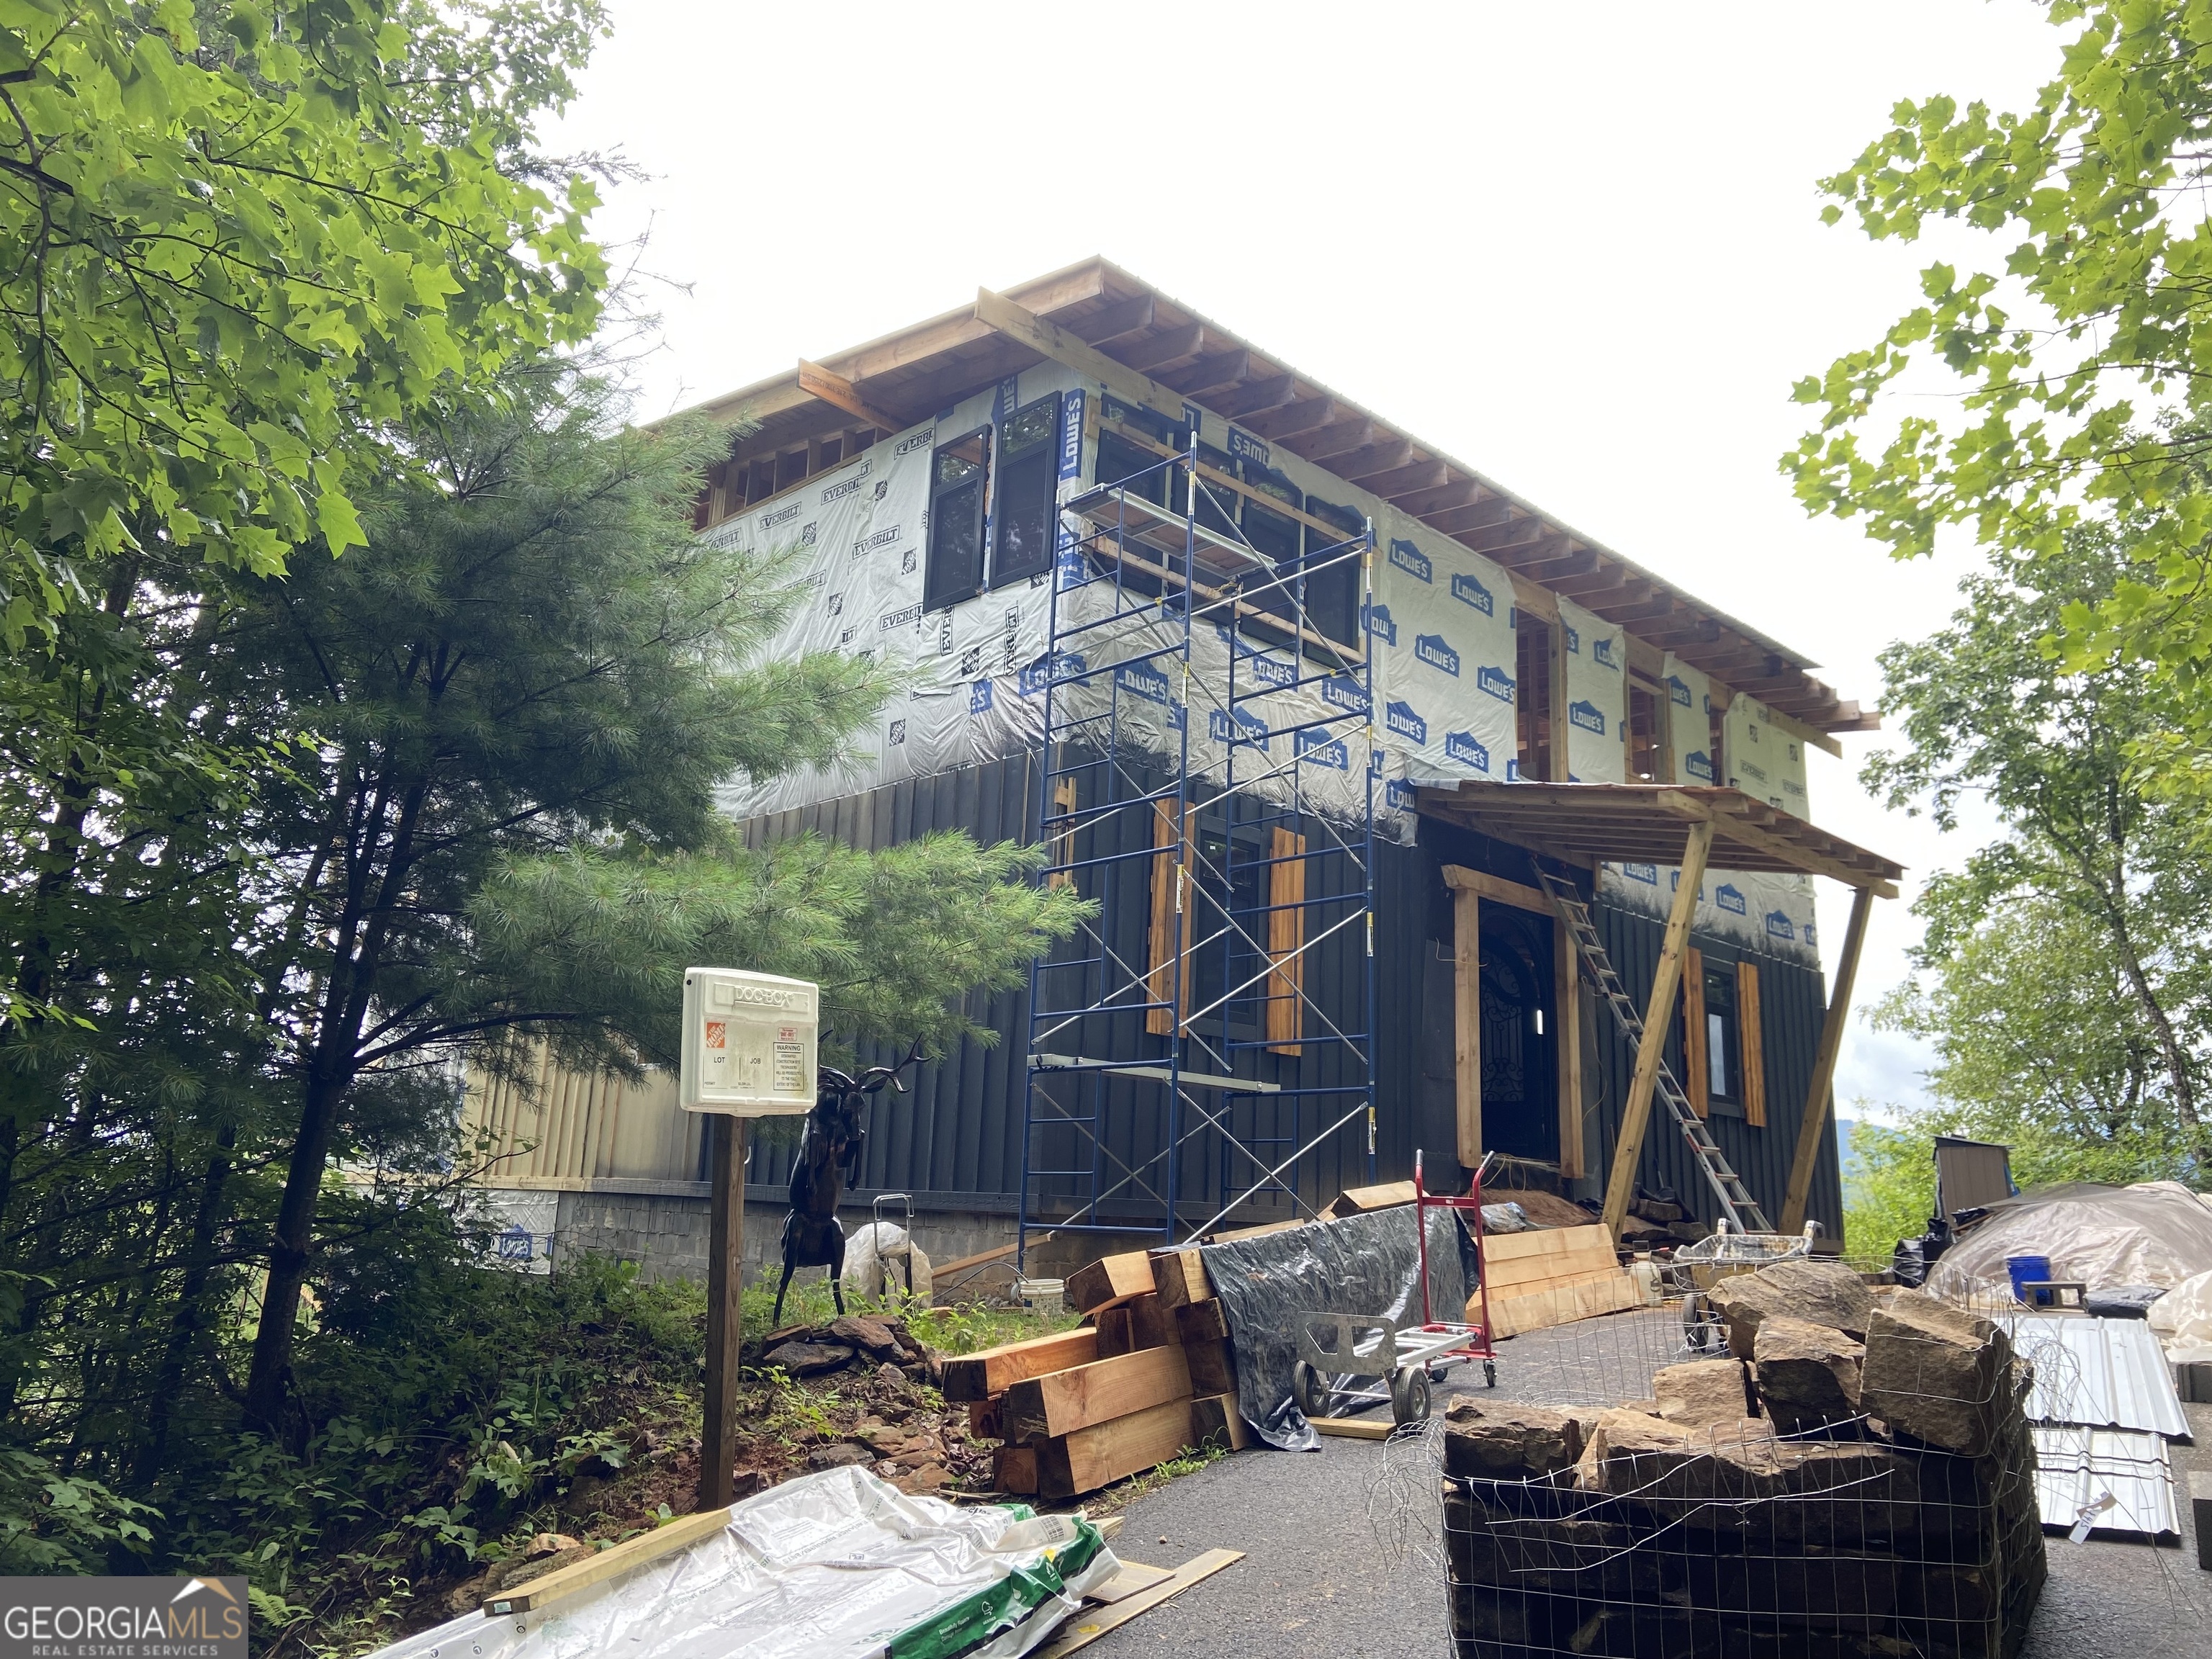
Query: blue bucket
[(2026, 1270)]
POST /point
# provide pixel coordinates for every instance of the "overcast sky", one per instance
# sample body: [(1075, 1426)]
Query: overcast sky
[(1577, 247)]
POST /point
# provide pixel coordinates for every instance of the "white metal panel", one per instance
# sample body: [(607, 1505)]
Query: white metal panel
[(2077, 1469), (2100, 1373)]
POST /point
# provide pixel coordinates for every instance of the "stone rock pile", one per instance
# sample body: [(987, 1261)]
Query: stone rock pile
[(1853, 1480)]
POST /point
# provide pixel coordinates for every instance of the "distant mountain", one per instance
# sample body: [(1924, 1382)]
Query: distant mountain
[(1845, 1156)]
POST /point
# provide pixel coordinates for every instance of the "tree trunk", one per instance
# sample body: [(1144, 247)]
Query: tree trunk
[(185, 1324), (291, 1250)]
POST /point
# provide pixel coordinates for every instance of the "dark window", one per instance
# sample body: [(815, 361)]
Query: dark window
[(1029, 471), (1275, 536), (1713, 729), (1532, 697), (1227, 896), (1120, 460), (833, 453), (1645, 705), (956, 472), (1724, 1069), (1217, 506), (1332, 590), (790, 468)]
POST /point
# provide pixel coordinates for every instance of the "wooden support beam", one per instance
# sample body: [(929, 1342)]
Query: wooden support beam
[(972, 1376), (1168, 346), (1734, 827), (1113, 1451), (1374, 458), (1575, 562), (1309, 414), (1254, 397), (1056, 343), (1111, 1280), (1123, 317), (1060, 1402), (1467, 1022), (836, 390), (664, 1539), (1448, 497), (725, 1245), (1819, 1093), (1458, 877), (1478, 514), (1406, 480), (1337, 439), (1212, 372), (1567, 1002), (1658, 1015), (1515, 534)]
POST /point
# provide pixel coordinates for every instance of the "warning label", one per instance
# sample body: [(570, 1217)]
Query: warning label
[(790, 1064)]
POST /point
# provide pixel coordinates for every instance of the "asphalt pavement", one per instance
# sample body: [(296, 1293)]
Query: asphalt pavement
[(1341, 1545)]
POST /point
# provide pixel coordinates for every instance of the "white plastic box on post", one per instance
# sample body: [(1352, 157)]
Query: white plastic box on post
[(749, 1041)]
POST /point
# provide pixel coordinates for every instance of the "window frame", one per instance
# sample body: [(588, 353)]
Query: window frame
[(935, 594), (1000, 474)]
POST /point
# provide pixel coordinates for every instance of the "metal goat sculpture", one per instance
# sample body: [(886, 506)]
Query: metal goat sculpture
[(829, 1158)]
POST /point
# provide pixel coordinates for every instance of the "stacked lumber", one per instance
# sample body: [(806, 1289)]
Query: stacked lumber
[(1552, 1276), (1150, 1376)]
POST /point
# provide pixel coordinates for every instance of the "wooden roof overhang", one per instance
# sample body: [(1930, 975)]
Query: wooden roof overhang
[(1650, 823), (1151, 350)]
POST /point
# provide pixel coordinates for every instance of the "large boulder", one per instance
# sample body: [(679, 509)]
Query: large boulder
[(809, 1358), (1820, 1292), (1701, 1393), (1940, 1374), (1496, 1442), (1807, 1375)]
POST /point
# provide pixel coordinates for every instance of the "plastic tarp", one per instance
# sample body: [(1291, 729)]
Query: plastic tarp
[(834, 1565), (1368, 1265), (2183, 1317), (2153, 1233)]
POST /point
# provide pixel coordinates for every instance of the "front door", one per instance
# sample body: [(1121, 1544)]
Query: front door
[(1520, 1091)]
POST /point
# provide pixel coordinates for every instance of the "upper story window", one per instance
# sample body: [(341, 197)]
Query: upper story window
[(1332, 576), (1647, 705), (958, 473), (1532, 697), (1023, 513)]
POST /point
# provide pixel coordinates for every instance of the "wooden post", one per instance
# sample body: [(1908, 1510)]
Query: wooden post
[(1635, 1114), (725, 1246), (1467, 1020), (1567, 1003), (1817, 1100)]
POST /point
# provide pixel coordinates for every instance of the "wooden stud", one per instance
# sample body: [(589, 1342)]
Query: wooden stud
[(1458, 876), (1567, 1000), (1286, 938), (972, 1376), (1353, 1428), (1694, 1058), (1062, 832), (1467, 1022), (1658, 1014), (840, 392), (1818, 1093), (1172, 345), (1117, 1332), (1751, 1044), (1213, 373), (1181, 1278), (1060, 1402), (662, 1540), (1123, 317)]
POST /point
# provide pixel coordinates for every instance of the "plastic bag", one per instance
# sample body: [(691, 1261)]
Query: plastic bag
[(875, 1267)]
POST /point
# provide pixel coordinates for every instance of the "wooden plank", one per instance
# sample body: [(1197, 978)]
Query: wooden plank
[(1353, 1428), (1751, 1044), (979, 1259), (1359, 1200), (1110, 1281), (1467, 1024), (1546, 1241), (1086, 1628), (1227, 1233), (838, 392), (1512, 1278), (1658, 1014), (1286, 938), (1060, 1402), (1001, 313), (1560, 1304), (726, 1239), (1134, 1576), (1113, 1451), (1201, 1322), (1817, 1105), (1180, 1277), (1014, 1470), (1150, 1325), (972, 1376), (1458, 877), (1218, 1417), (1567, 1000), (1211, 1367), (1168, 937), (630, 1552), (1697, 1080)]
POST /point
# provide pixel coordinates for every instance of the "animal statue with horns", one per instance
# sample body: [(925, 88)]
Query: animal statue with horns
[(829, 1158)]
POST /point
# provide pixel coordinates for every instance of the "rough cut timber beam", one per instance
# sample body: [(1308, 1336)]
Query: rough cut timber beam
[(1306, 415), (836, 390), (1406, 480), (1365, 463), (1478, 516), (1575, 562), (1335, 440), (1608, 584), (1454, 493), (1211, 373), (1168, 346), (1058, 343), (1255, 396), (1504, 539), (1124, 316)]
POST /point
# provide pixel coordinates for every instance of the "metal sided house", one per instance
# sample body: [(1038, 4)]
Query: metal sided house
[(1415, 819)]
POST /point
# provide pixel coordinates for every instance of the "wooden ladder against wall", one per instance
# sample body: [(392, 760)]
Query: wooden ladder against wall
[(1737, 1204)]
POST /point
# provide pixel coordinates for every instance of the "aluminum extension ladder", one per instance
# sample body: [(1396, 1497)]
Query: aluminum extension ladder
[(1737, 1204)]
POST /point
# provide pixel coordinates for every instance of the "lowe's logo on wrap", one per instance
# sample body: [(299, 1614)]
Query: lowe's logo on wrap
[(1698, 764), (782, 515), (1809, 931), (1223, 730), (1495, 680), (1468, 750), (1431, 650), (1574, 642), (1380, 625), (1070, 435), (1646, 873), (1342, 691), (1678, 692), (1586, 715), (1729, 899), (979, 698), (1513, 771), (1055, 670), (921, 439), (1246, 447), (1141, 681), (1779, 926), (1400, 796), (1601, 652), (1268, 670), (1467, 591), (1324, 750), (1411, 560), (1403, 719)]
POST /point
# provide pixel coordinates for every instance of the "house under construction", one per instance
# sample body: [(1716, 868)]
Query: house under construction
[(1415, 818)]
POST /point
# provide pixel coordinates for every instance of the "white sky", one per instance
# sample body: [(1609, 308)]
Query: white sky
[(1578, 247)]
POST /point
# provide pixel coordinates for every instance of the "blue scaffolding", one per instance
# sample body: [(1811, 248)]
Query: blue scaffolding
[(1185, 1069)]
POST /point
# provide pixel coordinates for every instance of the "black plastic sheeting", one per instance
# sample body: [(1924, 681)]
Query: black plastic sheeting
[(1368, 1265)]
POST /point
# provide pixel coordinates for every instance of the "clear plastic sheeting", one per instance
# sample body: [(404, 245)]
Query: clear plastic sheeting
[(2153, 1233), (834, 1565), (1368, 1265)]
